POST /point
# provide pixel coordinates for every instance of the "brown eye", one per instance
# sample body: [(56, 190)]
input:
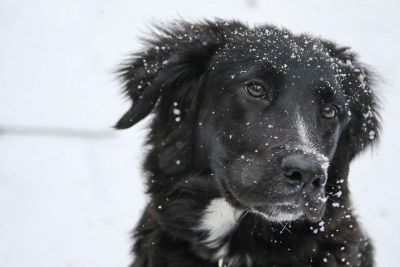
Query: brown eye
[(255, 89), (329, 112)]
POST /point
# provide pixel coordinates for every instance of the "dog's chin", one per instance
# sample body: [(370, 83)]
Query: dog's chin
[(290, 212), (279, 212)]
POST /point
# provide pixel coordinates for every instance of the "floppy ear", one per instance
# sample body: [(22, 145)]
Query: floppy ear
[(175, 55), (363, 128), (358, 85)]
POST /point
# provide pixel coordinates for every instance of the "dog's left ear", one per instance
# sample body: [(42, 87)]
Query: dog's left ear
[(175, 55), (358, 84)]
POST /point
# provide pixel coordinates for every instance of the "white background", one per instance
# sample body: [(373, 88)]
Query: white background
[(71, 201)]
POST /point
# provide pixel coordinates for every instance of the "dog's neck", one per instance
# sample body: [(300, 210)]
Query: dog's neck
[(218, 221)]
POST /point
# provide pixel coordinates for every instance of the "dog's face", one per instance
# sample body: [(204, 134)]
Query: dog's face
[(264, 110), (273, 131)]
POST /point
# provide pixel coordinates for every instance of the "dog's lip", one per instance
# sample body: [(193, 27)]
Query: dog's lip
[(310, 212), (286, 207), (280, 212), (314, 213), (229, 194), (290, 204)]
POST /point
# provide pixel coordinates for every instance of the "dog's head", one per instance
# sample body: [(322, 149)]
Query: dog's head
[(274, 117)]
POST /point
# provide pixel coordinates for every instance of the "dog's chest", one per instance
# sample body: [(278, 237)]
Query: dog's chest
[(218, 222)]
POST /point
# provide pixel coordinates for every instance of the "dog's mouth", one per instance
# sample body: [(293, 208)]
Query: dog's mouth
[(300, 210), (279, 212), (302, 207)]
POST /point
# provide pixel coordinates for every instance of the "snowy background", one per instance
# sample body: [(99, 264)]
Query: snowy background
[(71, 188)]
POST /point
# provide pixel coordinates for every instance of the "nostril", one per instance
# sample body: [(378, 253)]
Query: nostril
[(318, 182), (303, 171), (294, 176)]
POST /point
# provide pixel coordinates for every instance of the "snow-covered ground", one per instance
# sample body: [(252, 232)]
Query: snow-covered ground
[(71, 200)]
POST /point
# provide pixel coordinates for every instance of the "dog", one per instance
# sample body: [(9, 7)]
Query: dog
[(253, 132)]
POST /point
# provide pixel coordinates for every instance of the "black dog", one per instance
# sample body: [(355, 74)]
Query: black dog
[(251, 142)]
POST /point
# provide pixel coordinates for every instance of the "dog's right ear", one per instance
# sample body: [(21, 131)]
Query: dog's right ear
[(175, 55), (359, 86)]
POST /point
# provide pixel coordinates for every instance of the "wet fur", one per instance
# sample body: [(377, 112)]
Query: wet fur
[(172, 72)]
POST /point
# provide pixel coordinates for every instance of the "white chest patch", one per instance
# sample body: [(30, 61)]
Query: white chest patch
[(219, 219)]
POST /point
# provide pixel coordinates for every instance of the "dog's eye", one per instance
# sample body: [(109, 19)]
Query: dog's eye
[(255, 89), (329, 112)]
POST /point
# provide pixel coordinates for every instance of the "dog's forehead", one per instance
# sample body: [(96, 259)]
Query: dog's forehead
[(283, 50), (300, 58)]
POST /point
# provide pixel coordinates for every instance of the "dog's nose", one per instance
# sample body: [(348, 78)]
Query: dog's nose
[(303, 171)]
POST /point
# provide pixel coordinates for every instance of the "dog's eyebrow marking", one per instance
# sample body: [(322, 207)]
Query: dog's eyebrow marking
[(219, 219)]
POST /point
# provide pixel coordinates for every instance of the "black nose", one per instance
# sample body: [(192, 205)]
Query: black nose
[(303, 171)]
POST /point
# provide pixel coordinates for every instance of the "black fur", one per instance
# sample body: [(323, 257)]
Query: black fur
[(210, 139)]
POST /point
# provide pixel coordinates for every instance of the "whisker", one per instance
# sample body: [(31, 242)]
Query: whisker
[(244, 214), (284, 227)]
